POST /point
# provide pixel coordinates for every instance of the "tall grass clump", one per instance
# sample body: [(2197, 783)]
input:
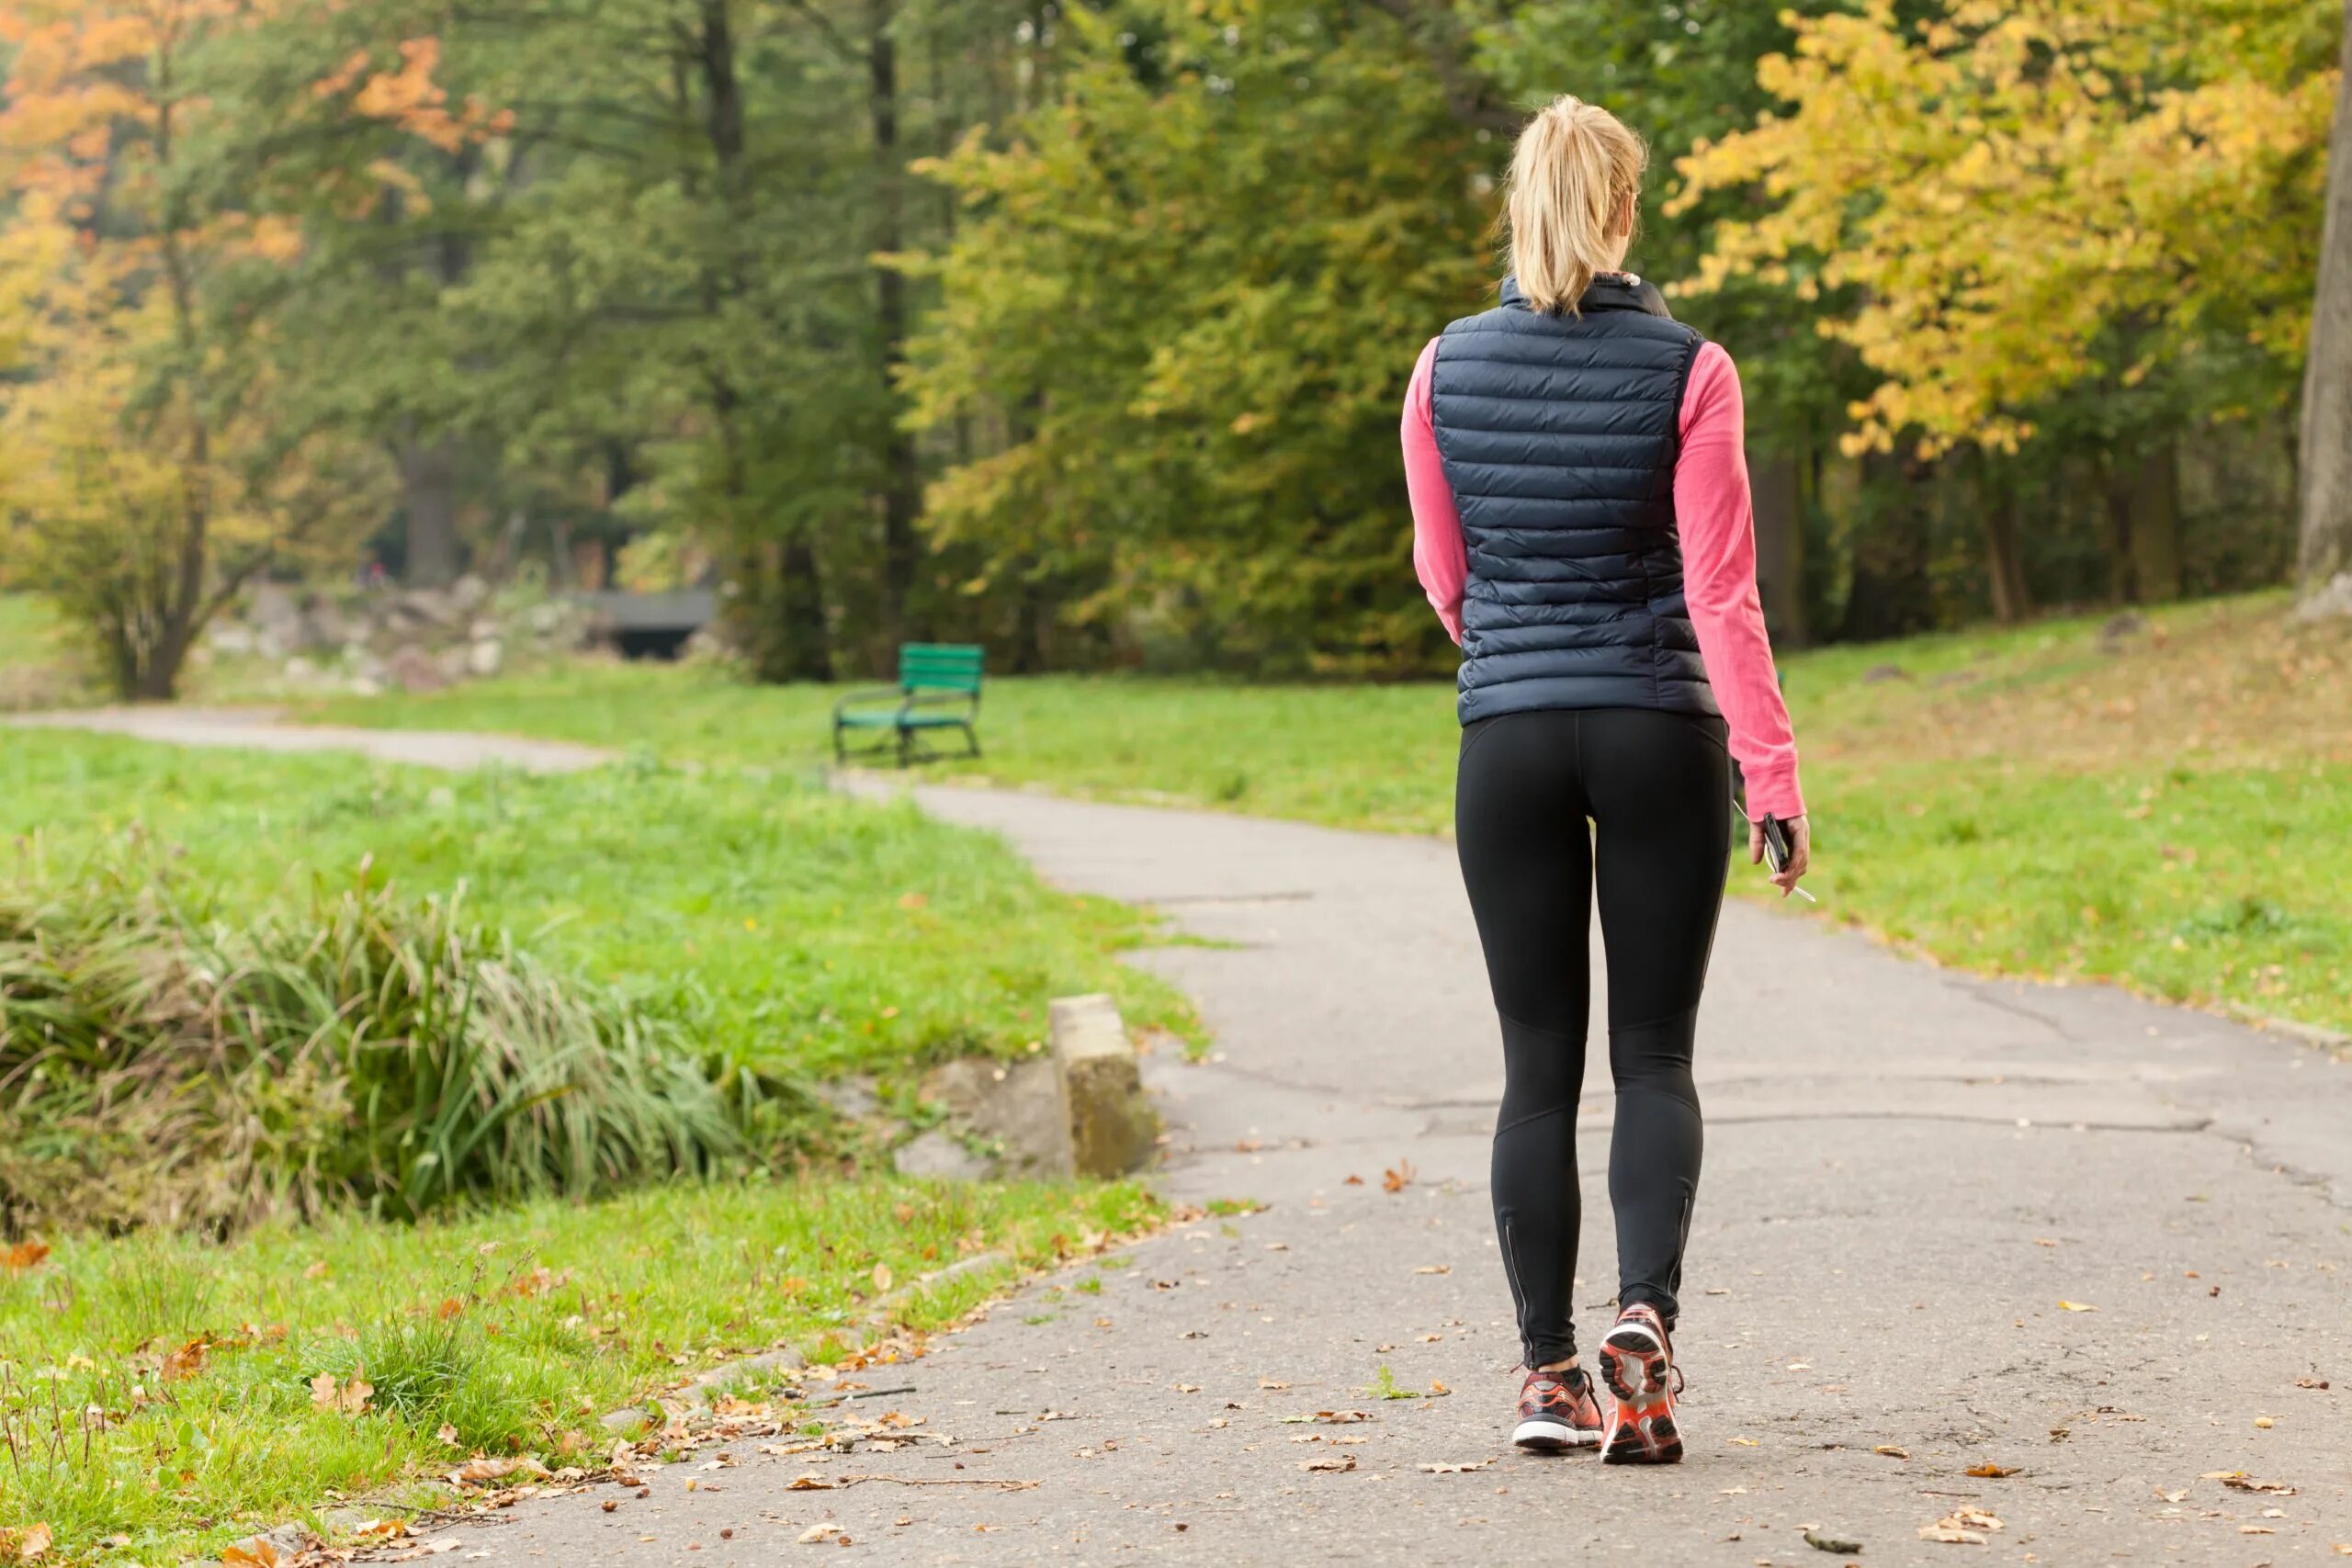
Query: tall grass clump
[(158, 1067)]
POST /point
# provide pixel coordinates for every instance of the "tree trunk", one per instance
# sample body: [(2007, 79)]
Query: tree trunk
[(2141, 485), (429, 488), (2004, 560), (2155, 522), (2325, 547), (901, 471), (1779, 547)]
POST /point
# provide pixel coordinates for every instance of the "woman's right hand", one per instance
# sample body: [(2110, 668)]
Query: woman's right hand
[(1800, 860)]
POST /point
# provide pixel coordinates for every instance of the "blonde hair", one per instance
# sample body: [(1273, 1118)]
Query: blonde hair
[(1576, 168)]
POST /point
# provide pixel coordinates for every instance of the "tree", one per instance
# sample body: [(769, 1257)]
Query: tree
[(2044, 212), (149, 471), (1187, 289), (2326, 552)]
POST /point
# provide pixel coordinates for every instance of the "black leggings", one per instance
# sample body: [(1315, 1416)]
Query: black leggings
[(1657, 787)]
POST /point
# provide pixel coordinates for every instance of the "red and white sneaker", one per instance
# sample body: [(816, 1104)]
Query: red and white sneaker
[(1637, 1365), (1557, 1410)]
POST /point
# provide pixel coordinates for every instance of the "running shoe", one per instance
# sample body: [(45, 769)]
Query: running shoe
[(1557, 1410), (1637, 1365)]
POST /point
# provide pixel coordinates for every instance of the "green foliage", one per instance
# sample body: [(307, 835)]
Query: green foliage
[(1189, 289), (163, 1068)]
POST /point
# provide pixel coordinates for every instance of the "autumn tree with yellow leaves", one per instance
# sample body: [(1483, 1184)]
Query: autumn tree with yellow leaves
[(148, 466), (2024, 203)]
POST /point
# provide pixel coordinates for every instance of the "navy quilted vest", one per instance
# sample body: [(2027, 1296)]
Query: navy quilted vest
[(1559, 436)]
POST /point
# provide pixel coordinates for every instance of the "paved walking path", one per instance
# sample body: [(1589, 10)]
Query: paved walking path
[(258, 729), (1908, 1171)]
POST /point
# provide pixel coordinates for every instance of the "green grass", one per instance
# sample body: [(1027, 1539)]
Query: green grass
[(2163, 809), (782, 925), (794, 930), (517, 1330)]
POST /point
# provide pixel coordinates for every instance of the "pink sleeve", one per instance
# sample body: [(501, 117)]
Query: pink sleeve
[(1438, 558), (1711, 505)]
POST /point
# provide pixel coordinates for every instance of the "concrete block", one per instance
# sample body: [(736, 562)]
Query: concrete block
[(1113, 1127)]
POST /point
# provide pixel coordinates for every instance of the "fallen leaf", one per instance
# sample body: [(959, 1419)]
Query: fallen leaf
[(29, 1541), (1831, 1544), (1951, 1535), (351, 1397), (2239, 1481), (1890, 1451), (881, 1276), (185, 1362), (1434, 1268), (1992, 1472), (256, 1552), (447, 1434), (809, 1484), (24, 1255), (1188, 1388), (1438, 1390), (2265, 1422), (474, 1471), (1353, 1181), (2311, 1383), (1744, 1442), (1333, 1461), (1270, 1383), (2076, 1306), (1398, 1178), (814, 1534), (2255, 1530), (1454, 1469)]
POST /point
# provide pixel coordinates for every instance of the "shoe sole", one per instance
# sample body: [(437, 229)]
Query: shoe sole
[(1634, 1368), (1551, 1437)]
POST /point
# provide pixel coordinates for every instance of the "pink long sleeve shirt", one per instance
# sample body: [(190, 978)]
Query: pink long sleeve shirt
[(1718, 536)]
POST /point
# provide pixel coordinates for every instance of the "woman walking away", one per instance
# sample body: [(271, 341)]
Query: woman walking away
[(1580, 521)]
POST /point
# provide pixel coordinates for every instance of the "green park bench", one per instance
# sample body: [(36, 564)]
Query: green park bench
[(939, 688)]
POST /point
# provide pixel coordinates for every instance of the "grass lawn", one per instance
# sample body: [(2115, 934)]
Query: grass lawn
[(157, 1395), (797, 930), (789, 926), (2165, 809)]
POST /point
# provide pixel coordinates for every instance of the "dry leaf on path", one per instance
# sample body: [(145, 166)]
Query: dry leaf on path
[(257, 1553), (1334, 1461), (2239, 1481), (816, 1533), (1434, 1268), (1398, 1178), (1992, 1472), (809, 1484), (2076, 1306), (1962, 1527), (1890, 1451), (1831, 1544), (1454, 1469), (476, 1471)]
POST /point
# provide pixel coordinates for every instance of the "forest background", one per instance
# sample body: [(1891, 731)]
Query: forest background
[(1079, 331)]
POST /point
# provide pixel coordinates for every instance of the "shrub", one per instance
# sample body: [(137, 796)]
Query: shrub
[(158, 1067)]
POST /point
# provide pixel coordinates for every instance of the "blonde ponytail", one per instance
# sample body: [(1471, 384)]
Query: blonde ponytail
[(1576, 169)]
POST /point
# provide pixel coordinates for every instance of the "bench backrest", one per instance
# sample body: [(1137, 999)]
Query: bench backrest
[(940, 666)]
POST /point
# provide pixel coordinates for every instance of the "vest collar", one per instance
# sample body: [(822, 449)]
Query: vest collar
[(1607, 291)]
